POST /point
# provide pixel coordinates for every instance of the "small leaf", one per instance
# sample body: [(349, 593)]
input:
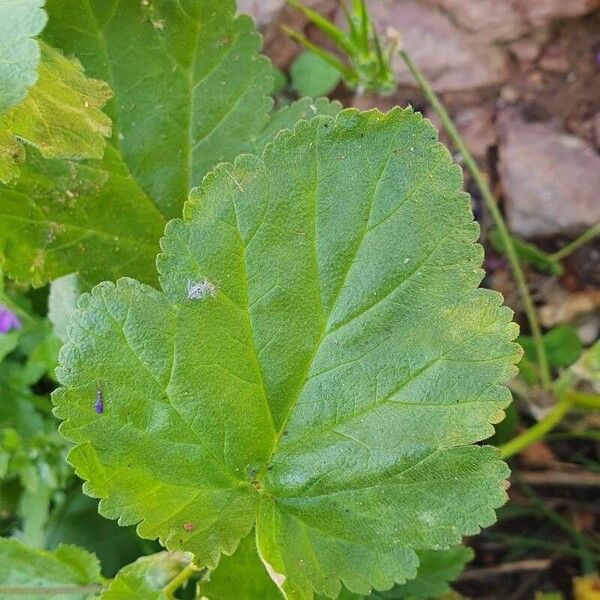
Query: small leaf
[(146, 577), (241, 576), (437, 569), (68, 573), (563, 346), (312, 76), (19, 54), (61, 115), (329, 386), (62, 301), (529, 253)]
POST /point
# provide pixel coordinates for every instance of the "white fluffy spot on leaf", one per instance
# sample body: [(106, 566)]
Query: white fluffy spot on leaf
[(200, 290)]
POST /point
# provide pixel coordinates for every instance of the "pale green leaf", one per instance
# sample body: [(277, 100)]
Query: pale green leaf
[(20, 21), (146, 577), (319, 364), (68, 573), (61, 116), (62, 301)]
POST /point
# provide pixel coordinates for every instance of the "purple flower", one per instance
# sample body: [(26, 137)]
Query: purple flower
[(8, 320)]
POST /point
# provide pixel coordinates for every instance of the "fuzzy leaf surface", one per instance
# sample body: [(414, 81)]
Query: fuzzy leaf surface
[(67, 573), (20, 21), (318, 364)]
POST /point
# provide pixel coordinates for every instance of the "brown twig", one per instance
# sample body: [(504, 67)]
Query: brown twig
[(574, 478), (522, 566)]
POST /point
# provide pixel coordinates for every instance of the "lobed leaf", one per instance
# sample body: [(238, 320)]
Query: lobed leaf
[(318, 365), (437, 569), (20, 21), (61, 116)]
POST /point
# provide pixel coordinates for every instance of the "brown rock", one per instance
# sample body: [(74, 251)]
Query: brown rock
[(550, 180), (495, 20), (453, 59), (262, 11), (554, 59), (476, 126), (541, 12), (526, 50)]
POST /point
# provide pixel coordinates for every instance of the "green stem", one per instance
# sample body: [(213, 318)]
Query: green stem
[(179, 580), (492, 207), (583, 399), (583, 239), (539, 430)]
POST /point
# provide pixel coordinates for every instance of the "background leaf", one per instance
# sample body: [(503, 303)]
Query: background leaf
[(67, 573), (312, 76), (319, 363), (145, 578), (191, 92)]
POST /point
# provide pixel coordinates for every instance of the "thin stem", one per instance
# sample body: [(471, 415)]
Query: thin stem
[(539, 430), (583, 239), (179, 580), (492, 206), (583, 399)]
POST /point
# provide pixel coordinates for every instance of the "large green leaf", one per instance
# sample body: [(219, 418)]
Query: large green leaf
[(20, 21), (190, 92), (191, 89), (61, 116), (68, 573), (319, 363)]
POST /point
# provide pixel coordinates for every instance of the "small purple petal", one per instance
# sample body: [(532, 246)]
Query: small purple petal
[(8, 320)]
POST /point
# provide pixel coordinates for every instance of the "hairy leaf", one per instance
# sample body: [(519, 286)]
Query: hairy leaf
[(61, 115), (67, 573), (20, 21), (319, 363), (146, 577)]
